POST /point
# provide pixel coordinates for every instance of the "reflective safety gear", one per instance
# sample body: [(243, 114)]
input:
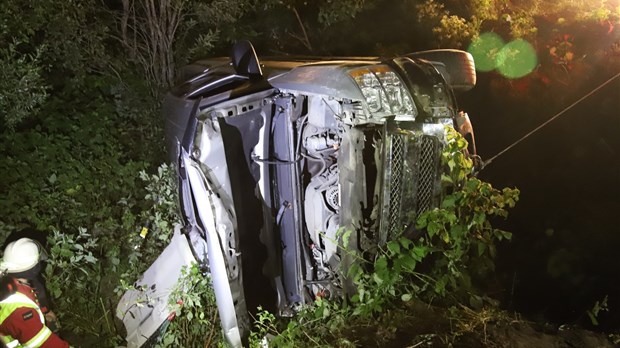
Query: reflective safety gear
[(23, 286), (10, 305), (20, 255), (22, 324)]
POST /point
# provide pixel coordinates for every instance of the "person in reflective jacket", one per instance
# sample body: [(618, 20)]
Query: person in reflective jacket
[(22, 323), (22, 261)]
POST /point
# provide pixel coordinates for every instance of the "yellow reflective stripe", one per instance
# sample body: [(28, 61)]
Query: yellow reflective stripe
[(12, 344), (39, 339), (18, 297), (17, 300)]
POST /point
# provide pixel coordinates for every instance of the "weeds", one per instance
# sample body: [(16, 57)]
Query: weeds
[(457, 237), (597, 308), (194, 321)]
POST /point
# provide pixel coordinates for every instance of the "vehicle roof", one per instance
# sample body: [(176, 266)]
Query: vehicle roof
[(293, 61), (274, 65), (317, 75)]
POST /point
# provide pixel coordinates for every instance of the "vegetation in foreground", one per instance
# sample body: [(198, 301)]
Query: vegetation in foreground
[(80, 134), (440, 267)]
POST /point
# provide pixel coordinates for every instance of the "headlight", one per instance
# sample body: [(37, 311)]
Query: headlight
[(447, 121), (384, 92)]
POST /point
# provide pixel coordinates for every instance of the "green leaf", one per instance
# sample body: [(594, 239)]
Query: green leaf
[(480, 218), (406, 297), (393, 247), (420, 252), (406, 242), (448, 202), (505, 234), (326, 312), (472, 184), (168, 340), (381, 264), (445, 237), (481, 248), (593, 318), (345, 237), (458, 231), (433, 228), (451, 164), (408, 263), (446, 179), (377, 279)]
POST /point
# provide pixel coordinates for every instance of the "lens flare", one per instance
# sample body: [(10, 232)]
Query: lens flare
[(484, 50), (516, 59)]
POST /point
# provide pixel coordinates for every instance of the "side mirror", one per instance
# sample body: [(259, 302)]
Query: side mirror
[(244, 60)]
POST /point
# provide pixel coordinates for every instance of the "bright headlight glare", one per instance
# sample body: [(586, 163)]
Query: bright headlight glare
[(383, 90)]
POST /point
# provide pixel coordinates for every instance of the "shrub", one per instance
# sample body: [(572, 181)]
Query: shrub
[(457, 237), (195, 322)]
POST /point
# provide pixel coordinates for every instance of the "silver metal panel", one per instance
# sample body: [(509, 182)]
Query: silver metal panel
[(331, 80), (218, 225), (145, 309)]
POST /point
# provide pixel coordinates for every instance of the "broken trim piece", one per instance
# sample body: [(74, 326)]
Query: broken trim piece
[(208, 214)]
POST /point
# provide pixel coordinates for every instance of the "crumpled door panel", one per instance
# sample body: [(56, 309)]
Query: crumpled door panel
[(144, 309)]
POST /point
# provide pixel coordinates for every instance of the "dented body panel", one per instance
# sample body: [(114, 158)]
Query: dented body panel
[(277, 158)]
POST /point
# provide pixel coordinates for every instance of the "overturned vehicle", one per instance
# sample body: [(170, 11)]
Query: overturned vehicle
[(275, 157)]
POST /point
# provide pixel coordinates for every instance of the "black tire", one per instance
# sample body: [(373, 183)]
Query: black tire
[(459, 65)]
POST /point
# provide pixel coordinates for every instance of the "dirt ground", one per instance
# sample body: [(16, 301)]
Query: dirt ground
[(419, 325)]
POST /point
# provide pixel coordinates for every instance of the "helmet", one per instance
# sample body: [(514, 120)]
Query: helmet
[(20, 255)]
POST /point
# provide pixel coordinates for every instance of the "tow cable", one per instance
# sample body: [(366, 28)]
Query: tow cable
[(487, 162)]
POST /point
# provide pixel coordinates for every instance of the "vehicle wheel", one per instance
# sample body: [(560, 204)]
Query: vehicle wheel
[(459, 65)]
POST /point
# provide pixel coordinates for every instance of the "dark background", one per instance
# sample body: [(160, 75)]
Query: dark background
[(566, 238)]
